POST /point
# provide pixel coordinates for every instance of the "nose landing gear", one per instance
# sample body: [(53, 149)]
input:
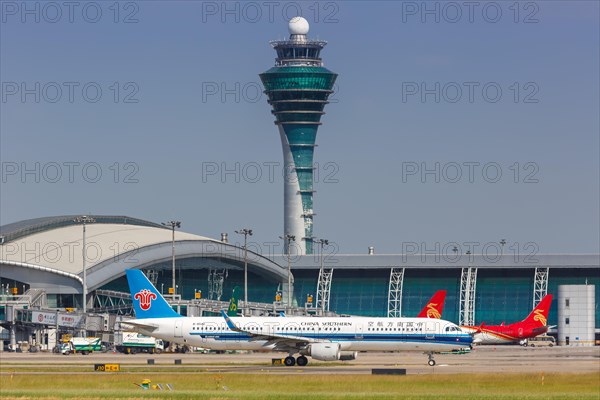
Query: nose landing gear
[(431, 361)]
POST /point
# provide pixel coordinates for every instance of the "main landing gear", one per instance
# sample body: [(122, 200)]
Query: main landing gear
[(290, 361)]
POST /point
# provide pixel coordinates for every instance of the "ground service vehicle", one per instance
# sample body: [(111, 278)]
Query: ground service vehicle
[(81, 345), (134, 342), (540, 341)]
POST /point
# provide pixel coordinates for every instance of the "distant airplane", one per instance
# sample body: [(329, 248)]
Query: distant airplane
[(535, 324), (326, 339), (435, 306)]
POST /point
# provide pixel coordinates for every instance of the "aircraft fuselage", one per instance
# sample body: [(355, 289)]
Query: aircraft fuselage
[(352, 333)]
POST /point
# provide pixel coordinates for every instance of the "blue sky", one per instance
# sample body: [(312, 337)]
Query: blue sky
[(418, 89)]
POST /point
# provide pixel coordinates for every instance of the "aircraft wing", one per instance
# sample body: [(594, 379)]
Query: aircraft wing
[(139, 325), (272, 339)]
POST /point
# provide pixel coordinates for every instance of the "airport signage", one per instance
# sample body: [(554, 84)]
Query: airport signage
[(43, 318), (46, 318), (107, 367), (69, 320)]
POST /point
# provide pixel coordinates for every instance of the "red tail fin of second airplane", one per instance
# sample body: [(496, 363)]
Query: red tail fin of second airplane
[(539, 315), (435, 306)]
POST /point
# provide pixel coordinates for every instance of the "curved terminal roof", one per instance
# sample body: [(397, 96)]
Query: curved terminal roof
[(27, 227), (53, 246), (61, 248)]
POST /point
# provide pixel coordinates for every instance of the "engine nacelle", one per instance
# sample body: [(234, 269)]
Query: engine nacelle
[(348, 355), (324, 351)]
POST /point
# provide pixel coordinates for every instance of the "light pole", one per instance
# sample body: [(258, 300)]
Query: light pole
[(322, 242), (84, 219), (245, 232), (173, 225), (289, 239)]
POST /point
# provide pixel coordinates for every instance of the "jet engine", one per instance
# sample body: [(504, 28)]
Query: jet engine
[(348, 355), (324, 351)]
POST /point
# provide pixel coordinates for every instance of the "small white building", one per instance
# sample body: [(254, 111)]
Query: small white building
[(576, 315)]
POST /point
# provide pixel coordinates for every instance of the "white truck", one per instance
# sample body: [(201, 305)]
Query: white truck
[(82, 345), (134, 342)]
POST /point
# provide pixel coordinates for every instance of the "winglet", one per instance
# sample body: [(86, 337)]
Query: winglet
[(229, 322)]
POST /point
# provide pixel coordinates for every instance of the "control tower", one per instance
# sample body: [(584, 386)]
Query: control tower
[(297, 88)]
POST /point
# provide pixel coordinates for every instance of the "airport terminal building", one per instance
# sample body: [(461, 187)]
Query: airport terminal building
[(42, 278)]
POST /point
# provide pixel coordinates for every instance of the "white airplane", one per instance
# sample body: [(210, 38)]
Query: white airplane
[(326, 339)]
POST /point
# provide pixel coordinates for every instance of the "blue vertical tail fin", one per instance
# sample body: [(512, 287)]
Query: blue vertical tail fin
[(147, 301)]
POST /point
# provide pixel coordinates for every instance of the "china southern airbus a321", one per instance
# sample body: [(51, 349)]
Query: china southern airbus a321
[(322, 338)]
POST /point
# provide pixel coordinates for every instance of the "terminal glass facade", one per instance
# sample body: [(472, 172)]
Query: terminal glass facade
[(503, 295), (192, 275)]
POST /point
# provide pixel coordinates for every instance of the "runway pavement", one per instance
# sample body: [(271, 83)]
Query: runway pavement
[(483, 359)]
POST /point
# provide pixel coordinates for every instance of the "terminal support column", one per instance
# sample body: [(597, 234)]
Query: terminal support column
[(540, 285), (394, 308)]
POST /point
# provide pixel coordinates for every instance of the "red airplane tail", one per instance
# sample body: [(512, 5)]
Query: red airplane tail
[(539, 315), (434, 307)]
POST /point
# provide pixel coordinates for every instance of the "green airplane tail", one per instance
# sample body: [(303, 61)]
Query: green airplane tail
[(233, 303)]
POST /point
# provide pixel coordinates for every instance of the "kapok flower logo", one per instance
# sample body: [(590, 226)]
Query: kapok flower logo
[(539, 316), (432, 311), (145, 298)]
